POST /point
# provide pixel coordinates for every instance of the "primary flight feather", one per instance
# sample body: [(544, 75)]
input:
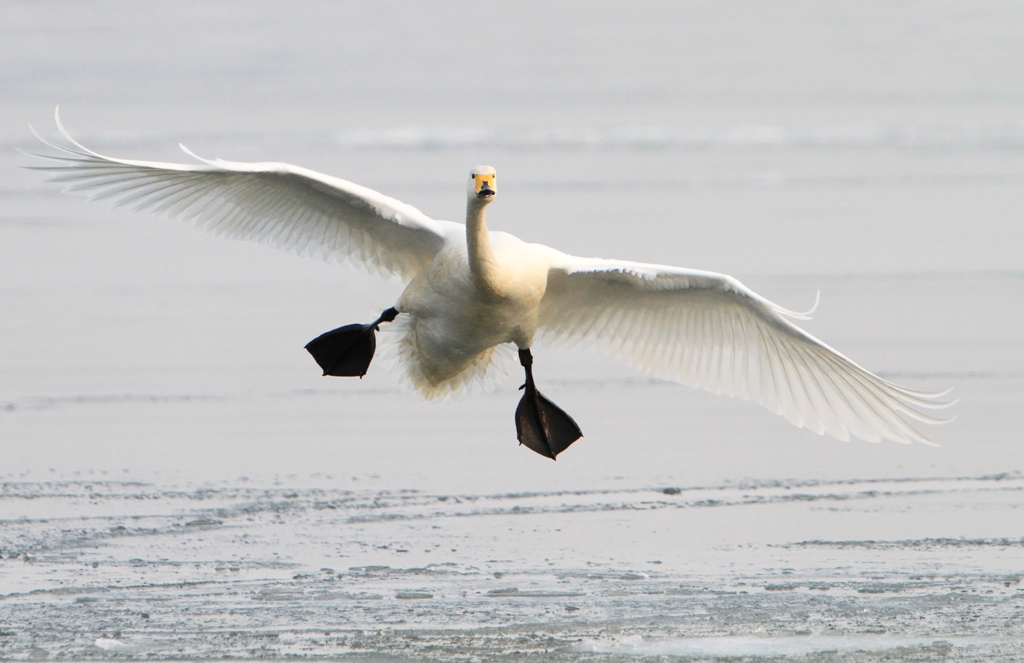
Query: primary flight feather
[(470, 291)]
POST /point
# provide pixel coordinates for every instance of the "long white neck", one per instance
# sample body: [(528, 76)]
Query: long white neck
[(483, 267)]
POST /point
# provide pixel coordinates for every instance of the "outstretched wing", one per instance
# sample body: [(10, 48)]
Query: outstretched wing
[(287, 206), (709, 331)]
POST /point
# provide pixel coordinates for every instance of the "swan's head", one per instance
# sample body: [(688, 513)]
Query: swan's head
[(482, 185)]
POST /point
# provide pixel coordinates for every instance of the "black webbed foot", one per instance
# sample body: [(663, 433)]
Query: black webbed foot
[(544, 427), (541, 425), (347, 351)]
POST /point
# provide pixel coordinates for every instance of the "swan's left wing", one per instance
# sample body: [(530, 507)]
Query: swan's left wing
[(287, 206), (709, 331)]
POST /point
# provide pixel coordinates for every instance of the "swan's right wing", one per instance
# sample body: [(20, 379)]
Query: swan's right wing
[(276, 203), (709, 331)]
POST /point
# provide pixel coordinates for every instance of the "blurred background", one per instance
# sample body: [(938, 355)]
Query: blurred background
[(872, 150)]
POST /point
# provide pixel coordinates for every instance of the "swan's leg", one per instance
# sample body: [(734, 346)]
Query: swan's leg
[(347, 351), (540, 424)]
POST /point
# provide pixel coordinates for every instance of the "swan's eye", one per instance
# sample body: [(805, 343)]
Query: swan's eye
[(473, 175)]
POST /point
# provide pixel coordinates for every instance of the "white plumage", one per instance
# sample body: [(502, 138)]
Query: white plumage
[(471, 291)]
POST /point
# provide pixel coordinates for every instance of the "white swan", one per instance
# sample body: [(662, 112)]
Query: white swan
[(471, 290)]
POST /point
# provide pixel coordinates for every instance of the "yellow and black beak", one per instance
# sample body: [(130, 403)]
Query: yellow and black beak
[(485, 185)]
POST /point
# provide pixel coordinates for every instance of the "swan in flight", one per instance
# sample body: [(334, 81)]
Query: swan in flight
[(470, 290)]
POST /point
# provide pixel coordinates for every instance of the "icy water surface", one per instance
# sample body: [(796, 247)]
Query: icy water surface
[(178, 482), (242, 571)]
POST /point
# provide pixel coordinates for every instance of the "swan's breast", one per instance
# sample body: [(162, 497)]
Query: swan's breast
[(444, 300)]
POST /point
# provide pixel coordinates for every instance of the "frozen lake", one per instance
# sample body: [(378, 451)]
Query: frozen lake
[(178, 482)]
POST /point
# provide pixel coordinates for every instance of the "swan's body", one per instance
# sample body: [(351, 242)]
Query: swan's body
[(455, 324), (470, 291)]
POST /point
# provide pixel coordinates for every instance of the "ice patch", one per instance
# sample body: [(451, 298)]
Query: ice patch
[(733, 646), (109, 644)]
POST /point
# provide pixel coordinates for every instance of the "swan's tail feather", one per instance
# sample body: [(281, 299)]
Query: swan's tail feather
[(400, 346)]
